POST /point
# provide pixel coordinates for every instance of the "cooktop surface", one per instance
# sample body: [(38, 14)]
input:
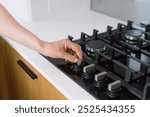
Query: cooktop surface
[(116, 63)]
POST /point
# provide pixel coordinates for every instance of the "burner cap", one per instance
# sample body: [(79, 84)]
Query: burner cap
[(94, 46), (132, 35)]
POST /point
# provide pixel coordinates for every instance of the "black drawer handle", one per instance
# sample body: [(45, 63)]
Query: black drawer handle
[(27, 69)]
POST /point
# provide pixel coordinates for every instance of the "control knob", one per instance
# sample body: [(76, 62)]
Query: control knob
[(88, 72), (77, 67), (100, 80), (114, 89)]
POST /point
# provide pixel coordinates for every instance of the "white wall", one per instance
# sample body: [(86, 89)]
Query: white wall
[(19, 8), (136, 10), (39, 9), (64, 5), (45, 8), (32, 10)]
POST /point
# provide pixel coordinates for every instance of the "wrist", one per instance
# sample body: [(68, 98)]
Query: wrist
[(44, 48), (41, 46)]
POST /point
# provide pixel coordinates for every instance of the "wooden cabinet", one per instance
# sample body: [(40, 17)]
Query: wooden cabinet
[(21, 84), (4, 90)]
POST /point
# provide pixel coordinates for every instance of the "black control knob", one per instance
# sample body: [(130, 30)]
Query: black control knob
[(88, 72), (77, 67), (100, 80), (114, 89)]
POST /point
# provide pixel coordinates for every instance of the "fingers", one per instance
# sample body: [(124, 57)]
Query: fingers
[(76, 48), (68, 50), (69, 57)]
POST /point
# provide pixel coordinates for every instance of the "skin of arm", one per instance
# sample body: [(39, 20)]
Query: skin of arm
[(10, 28)]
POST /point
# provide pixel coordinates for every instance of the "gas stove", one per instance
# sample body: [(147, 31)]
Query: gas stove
[(116, 63)]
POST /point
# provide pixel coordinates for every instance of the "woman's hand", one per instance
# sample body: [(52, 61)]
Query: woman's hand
[(10, 28), (63, 49)]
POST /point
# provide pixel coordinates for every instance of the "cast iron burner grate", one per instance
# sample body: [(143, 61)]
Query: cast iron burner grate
[(116, 63)]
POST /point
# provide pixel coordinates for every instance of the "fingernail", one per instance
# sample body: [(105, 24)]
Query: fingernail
[(76, 60)]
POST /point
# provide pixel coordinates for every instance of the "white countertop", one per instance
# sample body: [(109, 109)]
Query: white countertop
[(59, 27)]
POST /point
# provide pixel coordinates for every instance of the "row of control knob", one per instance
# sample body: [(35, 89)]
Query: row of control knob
[(100, 81)]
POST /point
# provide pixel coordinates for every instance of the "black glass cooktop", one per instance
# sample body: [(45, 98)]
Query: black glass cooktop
[(116, 64)]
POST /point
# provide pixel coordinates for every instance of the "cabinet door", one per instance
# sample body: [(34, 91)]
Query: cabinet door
[(47, 91), (23, 86), (4, 90)]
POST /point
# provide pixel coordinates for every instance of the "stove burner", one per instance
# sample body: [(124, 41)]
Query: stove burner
[(116, 63), (94, 46), (132, 36)]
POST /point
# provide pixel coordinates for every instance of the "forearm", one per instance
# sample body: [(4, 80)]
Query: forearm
[(10, 28)]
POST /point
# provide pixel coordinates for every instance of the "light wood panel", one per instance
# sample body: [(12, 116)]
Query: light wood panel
[(4, 74), (25, 88), (48, 91)]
